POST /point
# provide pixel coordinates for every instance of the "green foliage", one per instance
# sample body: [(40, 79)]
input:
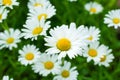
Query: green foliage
[(66, 13)]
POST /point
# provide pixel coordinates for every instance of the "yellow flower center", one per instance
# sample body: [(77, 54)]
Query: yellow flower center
[(103, 58), (38, 4), (92, 53), (48, 65), (7, 2), (42, 15), (93, 10), (65, 73), (63, 44), (116, 20), (37, 30), (29, 56), (90, 38), (0, 16), (10, 40)]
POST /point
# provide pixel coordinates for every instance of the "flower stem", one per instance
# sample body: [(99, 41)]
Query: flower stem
[(5, 25)]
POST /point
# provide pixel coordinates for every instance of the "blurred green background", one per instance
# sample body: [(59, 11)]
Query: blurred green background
[(66, 13)]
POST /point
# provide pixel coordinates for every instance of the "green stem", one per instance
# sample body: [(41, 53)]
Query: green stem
[(5, 26), (63, 61)]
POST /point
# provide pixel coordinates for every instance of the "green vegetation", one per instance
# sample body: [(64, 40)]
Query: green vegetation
[(66, 12)]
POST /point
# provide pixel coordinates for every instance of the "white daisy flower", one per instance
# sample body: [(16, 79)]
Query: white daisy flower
[(72, 0), (93, 7), (3, 13), (67, 73), (93, 34), (29, 54), (9, 3), (40, 12), (33, 28), (93, 52), (10, 38), (6, 78), (65, 41), (106, 57), (38, 3), (47, 64), (83, 31), (113, 18)]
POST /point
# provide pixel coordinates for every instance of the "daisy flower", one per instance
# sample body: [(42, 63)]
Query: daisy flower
[(65, 41), (93, 52), (93, 34), (40, 12), (3, 13), (33, 28), (106, 57), (67, 73), (93, 7), (83, 31), (28, 55), (9, 3), (10, 38), (6, 78), (47, 64), (113, 18), (38, 3)]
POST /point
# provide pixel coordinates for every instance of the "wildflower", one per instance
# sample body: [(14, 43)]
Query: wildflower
[(40, 12), (67, 73), (93, 52), (9, 3), (3, 13), (93, 34), (113, 18), (10, 38), (33, 28), (28, 55), (65, 41), (93, 7), (47, 64), (83, 31), (106, 57)]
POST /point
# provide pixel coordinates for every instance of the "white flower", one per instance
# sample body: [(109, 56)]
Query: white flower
[(34, 28), (28, 55), (83, 31), (38, 3), (10, 38), (93, 7), (40, 12), (113, 18), (106, 57), (9, 3), (3, 13), (72, 0), (47, 64), (93, 52), (67, 73), (65, 41), (6, 78), (93, 34)]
